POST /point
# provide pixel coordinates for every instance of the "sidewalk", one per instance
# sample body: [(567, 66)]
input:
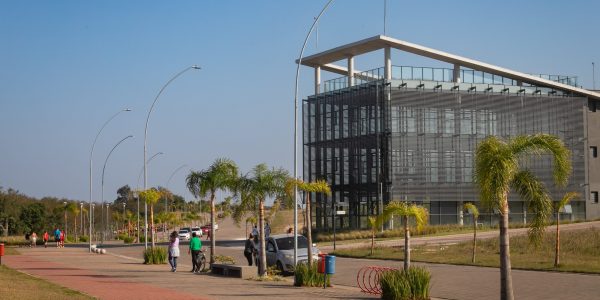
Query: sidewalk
[(121, 277)]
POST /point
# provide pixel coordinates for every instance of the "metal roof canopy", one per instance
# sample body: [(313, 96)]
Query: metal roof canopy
[(326, 58)]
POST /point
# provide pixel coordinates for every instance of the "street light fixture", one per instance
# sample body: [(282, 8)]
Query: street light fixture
[(193, 67), (91, 156), (102, 193), (169, 181), (299, 62)]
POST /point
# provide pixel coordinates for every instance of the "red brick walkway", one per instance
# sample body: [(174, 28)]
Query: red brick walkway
[(88, 282)]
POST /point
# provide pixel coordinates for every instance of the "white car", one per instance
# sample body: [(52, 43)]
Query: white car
[(280, 251), (197, 230), (184, 234)]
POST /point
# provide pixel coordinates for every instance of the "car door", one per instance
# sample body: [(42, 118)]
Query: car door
[(271, 251)]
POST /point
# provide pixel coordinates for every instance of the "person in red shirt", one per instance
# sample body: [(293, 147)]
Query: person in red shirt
[(62, 239), (46, 237)]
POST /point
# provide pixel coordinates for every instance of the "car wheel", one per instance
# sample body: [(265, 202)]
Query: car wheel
[(280, 267)]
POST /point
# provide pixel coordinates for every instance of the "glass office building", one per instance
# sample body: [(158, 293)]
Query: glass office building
[(410, 134)]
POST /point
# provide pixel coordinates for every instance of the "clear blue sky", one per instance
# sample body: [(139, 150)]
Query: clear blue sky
[(67, 66)]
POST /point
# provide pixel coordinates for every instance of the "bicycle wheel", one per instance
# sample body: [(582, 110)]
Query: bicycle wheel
[(202, 263)]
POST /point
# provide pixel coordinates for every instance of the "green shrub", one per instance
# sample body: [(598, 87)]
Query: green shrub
[(84, 238), (306, 275), (405, 285), (224, 259), (128, 239), (155, 256)]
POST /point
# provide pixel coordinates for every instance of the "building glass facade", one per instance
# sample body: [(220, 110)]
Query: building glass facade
[(414, 140)]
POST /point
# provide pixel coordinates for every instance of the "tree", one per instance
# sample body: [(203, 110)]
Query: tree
[(557, 208), (375, 223), (33, 217), (405, 211), (150, 196), (221, 175), (257, 187), (74, 209), (472, 209), (498, 169), (319, 186)]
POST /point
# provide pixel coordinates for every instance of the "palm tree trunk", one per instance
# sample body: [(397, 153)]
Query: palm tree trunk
[(212, 228), (152, 223), (406, 244), (372, 241), (474, 239), (506, 287), (262, 266), (309, 228), (557, 254)]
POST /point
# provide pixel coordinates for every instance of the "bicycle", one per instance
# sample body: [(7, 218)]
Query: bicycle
[(201, 261)]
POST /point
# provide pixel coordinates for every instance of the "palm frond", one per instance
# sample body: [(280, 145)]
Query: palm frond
[(565, 200), (533, 191), (472, 209)]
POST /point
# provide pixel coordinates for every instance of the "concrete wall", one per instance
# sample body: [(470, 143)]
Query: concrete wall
[(593, 164)]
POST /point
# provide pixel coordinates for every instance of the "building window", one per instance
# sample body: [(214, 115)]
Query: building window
[(594, 197), (594, 151)]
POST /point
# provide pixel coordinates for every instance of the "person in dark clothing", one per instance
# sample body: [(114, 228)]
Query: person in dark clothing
[(249, 249)]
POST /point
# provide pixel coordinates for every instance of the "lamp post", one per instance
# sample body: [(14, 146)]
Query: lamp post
[(81, 210), (107, 225), (102, 193), (299, 62), (91, 156), (169, 181), (65, 230), (138, 196), (92, 220), (193, 67), (125, 204)]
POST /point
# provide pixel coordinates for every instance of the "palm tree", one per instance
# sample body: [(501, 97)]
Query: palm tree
[(497, 170), (472, 209), (74, 209), (256, 187), (557, 208), (319, 186), (150, 196), (405, 210), (221, 175), (375, 223)]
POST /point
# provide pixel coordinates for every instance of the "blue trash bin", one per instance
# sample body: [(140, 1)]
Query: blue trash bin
[(330, 264)]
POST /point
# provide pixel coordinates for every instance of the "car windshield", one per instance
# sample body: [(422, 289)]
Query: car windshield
[(183, 231), (287, 243)]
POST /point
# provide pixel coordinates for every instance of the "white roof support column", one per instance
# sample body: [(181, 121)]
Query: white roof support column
[(350, 71), (317, 80), (456, 73), (388, 63)]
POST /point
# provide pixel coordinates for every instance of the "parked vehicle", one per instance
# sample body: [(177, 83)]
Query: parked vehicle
[(184, 234), (197, 230), (280, 251)]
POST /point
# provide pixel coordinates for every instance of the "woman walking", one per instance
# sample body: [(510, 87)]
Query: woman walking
[(173, 250)]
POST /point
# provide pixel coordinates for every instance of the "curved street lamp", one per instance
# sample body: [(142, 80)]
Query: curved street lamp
[(138, 198), (316, 20), (102, 193), (193, 67), (169, 181), (91, 156)]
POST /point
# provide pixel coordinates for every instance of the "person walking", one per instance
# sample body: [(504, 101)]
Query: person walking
[(267, 230), (57, 237), (46, 237), (255, 233), (173, 250), (249, 249), (62, 239), (195, 247), (33, 239)]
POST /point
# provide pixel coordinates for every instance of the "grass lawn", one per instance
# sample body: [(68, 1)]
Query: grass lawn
[(580, 252), (23, 286)]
